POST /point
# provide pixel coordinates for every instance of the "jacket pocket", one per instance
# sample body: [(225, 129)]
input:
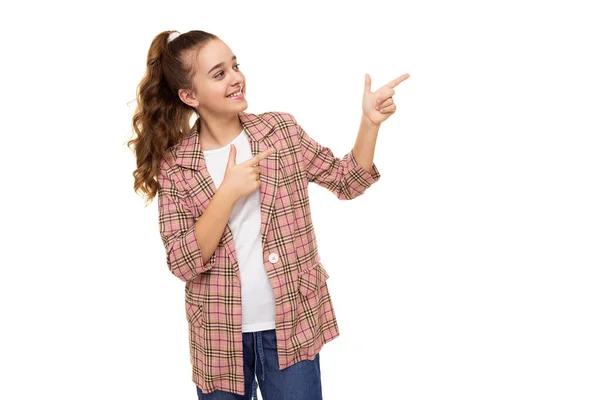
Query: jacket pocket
[(193, 312), (311, 308), (194, 299), (312, 279)]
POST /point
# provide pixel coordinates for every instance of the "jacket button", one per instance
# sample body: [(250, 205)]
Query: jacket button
[(273, 257)]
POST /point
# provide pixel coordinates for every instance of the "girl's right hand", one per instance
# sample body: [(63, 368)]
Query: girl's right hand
[(243, 179)]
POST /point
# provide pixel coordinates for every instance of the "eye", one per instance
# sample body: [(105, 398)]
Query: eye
[(221, 72)]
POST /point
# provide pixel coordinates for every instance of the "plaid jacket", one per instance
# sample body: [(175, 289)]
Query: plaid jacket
[(305, 319)]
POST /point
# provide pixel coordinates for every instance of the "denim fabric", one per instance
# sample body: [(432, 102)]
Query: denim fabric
[(300, 381)]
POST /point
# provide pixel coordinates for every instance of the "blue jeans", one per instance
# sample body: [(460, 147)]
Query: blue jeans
[(299, 381)]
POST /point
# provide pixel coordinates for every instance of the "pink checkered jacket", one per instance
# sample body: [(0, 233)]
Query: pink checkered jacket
[(305, 319)]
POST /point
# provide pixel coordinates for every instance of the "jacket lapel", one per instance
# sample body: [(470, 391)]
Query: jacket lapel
[(191, 158)]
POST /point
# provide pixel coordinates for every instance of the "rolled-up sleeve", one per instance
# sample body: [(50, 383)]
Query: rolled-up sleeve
[(345, 177), (177, 231)]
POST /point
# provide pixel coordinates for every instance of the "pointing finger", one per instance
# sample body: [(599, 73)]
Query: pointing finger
[(395, 82), (258, 157)]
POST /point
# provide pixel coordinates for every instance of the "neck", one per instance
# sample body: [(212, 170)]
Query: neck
[(216, 132)]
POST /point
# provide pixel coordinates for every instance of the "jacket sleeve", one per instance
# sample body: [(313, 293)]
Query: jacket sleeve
[(177, 231), (344, 177)]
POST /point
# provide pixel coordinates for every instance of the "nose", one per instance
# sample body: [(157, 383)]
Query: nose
[(239, 79)]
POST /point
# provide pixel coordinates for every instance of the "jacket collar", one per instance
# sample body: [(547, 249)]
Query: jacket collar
[(190, 155)]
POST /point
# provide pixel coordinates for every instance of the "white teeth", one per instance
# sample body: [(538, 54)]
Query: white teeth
[(236, 94)]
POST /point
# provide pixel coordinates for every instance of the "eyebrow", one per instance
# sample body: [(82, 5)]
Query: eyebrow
[(219, 65)]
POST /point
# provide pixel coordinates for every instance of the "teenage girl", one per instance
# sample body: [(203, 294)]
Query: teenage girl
[(235, 219)]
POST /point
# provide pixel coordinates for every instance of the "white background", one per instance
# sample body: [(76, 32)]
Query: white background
[(469, 271)]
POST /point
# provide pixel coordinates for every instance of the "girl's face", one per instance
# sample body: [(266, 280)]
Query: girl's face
[(218, 75)]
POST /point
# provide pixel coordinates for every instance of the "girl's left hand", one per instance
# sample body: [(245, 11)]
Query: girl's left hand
[(378, 106)]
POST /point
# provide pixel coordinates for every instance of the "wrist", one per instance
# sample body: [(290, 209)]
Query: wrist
[(227, 194), (370, 125)]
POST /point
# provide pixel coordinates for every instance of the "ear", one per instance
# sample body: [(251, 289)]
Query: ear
[(187, 97)]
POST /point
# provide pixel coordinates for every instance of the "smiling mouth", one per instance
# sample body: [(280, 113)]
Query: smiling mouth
[(236, 94)]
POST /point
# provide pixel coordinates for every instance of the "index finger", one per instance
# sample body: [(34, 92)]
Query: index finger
[(258, 157), (393, 83)]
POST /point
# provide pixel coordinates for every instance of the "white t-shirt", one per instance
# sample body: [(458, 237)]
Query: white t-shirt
[(258, 301)]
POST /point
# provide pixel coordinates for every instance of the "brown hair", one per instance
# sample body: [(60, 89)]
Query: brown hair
[(161, 119)]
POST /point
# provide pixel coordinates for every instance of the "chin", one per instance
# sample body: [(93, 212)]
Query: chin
[(242, 105)]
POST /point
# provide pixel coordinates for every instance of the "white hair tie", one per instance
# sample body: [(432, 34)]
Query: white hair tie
[(173, 36)]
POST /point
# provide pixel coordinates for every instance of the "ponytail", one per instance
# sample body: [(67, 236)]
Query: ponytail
[(161, 119)]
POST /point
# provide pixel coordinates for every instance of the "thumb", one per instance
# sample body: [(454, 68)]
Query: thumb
[(367, 83), (232, 153)]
